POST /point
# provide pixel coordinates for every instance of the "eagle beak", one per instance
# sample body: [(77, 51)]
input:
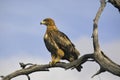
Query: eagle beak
[(42, 22)]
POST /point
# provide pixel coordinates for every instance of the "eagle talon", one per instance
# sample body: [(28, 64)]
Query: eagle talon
[(58, 62), (52, 63)]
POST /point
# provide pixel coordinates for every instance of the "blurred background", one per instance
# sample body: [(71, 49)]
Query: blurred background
[(21, 35)]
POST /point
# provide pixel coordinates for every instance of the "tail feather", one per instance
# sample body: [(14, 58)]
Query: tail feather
[(78, 68), (76, 54)]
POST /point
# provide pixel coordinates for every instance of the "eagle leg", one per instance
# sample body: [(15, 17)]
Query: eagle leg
[(53, 59), (60, 53), (71, 59), (56, 57)]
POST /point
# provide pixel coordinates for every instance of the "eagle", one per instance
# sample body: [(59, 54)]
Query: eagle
[(58, 44)]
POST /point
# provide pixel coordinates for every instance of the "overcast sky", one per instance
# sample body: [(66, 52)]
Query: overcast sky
[(21, 35)]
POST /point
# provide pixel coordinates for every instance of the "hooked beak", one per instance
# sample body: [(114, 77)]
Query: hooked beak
[(42, 22)]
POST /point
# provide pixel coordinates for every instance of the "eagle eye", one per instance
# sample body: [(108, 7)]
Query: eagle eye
[(46, 20)]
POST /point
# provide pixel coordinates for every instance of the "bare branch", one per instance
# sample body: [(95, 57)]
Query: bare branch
[(105, 63), (95, 27), (98, 72), (22, 65), (45, 67)]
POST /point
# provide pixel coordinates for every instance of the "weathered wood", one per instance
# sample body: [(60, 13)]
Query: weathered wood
[(45, 67), (105, 63)]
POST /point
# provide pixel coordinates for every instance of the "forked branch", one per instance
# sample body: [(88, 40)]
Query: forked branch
[(45, 67), (105, 63)]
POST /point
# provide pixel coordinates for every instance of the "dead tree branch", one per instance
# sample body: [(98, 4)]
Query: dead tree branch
[(45, 67), (105, 63)]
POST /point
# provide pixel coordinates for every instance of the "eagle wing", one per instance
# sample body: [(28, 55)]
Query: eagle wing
[(62, 40), (64, 43), (50, 43), (56, 39)]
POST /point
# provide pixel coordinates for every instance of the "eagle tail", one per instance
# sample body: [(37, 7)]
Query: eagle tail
[(77, 52), (78, 68), (76, 55)]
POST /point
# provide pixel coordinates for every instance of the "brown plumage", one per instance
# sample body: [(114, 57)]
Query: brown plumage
[(58, 44)]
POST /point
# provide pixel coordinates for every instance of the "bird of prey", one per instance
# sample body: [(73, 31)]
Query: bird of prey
[(58, 44)]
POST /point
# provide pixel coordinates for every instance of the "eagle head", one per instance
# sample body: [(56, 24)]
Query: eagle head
[(48, 22)]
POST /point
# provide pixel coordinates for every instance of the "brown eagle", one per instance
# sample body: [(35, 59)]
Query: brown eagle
[(58, 44)]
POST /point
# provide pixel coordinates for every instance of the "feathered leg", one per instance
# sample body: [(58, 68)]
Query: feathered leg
[(56, 57), (59, 55), (53, 56)]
